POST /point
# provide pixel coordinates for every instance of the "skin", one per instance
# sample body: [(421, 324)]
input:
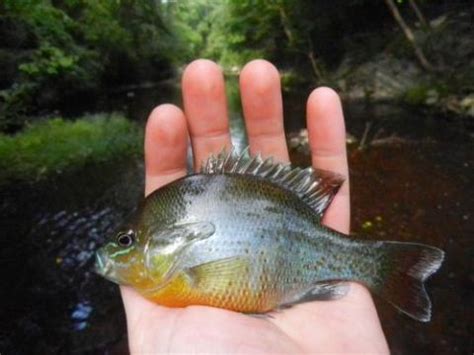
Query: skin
[(348, 325)]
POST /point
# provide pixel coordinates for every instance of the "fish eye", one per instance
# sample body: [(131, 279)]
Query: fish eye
[(126, 239)]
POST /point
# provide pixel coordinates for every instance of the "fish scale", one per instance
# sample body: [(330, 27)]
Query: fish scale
[(245, 234)]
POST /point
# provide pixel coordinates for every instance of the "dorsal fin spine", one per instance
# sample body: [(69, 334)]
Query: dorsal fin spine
[(315, 187)]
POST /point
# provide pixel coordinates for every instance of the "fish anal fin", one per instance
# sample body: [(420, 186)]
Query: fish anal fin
[(218, 275), (315, 187), (321, 291), (325, 291), (265, 316)]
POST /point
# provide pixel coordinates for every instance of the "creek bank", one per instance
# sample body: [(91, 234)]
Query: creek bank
[(51, 146), (393, 74)]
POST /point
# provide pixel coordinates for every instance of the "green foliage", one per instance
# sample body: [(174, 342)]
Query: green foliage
[(57, 51), (211, 29), (53, 51), (298, 35), (191, 22), (417, 94), (71, 46), (50, 61), (47, 22), (52, 146), (429, 93), (241, 31), (290, 80)]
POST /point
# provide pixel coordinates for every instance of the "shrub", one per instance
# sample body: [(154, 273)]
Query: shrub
[(55, 145)]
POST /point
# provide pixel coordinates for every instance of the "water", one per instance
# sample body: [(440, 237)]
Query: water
[(412, 182)]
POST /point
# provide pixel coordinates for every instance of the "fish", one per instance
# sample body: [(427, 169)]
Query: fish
[(246, 234)]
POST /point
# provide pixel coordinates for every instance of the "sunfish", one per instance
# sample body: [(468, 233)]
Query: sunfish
[(245, 234)]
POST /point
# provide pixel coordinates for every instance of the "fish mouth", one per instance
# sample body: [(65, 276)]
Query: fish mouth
[(103, 264), (107, 268)]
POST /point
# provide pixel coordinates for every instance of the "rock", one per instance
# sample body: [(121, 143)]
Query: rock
[(467, 105)]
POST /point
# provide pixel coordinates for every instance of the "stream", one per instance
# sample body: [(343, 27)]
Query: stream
[(412, 181)]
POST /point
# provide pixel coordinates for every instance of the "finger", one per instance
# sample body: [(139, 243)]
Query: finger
[(263, 109), (353, 317), (205, 106), (327, 139), (166, 140)]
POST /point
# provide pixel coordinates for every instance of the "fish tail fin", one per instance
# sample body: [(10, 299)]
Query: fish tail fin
[(402, 274)]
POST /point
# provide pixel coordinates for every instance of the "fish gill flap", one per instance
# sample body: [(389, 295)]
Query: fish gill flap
[(168, 240), (314, 186), (163, 250)]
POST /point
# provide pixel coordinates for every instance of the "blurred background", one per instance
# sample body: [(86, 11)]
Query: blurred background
[(79, 77)]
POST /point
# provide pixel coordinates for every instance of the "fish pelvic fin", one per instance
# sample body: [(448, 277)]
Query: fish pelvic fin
[(402, 275), (315, 187)]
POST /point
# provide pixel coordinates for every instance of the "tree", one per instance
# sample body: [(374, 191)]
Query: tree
[(425, 64), (78, 46)]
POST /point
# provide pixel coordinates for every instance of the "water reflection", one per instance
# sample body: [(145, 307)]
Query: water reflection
[(80, 315), (51, 300)]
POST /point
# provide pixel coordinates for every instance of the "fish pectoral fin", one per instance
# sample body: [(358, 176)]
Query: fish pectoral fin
[(321, 291), (165, 249), (162, 278), (162, 268), (217, 275)]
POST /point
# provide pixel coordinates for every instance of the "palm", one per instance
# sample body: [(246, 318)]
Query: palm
[(346, 325)]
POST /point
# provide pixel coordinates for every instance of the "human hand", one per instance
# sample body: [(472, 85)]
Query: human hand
[(347, 325)]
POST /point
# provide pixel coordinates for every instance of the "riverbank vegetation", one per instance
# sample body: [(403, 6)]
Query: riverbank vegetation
[(55, 145), (53, 54)]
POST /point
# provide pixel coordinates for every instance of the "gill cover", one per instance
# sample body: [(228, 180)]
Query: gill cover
[(164, 248)]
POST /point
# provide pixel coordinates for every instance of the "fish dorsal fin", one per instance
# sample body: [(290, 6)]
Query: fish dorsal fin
[(315, 187)]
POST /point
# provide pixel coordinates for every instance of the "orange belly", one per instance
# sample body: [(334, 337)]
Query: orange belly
[(236, 296)]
